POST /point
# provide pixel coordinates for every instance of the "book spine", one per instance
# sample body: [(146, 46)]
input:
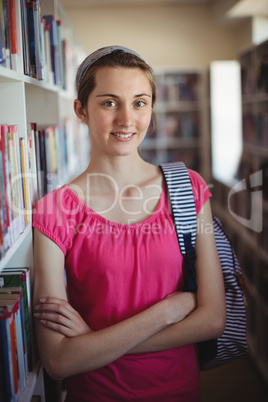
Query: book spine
[(7, 353), (60, 54), (50, 21), (50, 74), (13, 35), (3, 392), (31, 38), (3, 36), (14, 277), (25, 179), (7, 43), (4, 182), (14, 183), (38, 41), (12, 329), (32, 162), (20, 347), (24, 28)]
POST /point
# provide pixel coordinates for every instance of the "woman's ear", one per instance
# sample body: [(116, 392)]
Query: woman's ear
[(80, 111)]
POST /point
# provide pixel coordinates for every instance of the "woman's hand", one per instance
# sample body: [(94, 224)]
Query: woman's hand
[(58, 315)]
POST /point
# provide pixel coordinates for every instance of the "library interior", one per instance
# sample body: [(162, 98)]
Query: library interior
[(210, 66)]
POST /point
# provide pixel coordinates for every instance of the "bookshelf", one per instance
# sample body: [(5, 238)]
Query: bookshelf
[(25, 98), (182, 120), (247, 220)]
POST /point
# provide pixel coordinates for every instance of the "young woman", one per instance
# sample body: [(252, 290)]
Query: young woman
[(128, 331)]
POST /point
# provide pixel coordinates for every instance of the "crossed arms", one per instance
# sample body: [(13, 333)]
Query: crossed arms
[(68, 346)]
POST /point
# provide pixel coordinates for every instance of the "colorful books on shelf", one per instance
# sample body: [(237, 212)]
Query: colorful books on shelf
[(15, 332), (32, 165), (61, 153), (8, 34), (16, 196), (46, 54)]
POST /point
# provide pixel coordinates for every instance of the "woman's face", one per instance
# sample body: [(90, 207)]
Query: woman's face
[(119, 110)]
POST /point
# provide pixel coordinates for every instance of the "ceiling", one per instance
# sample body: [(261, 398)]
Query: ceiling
[(104, 3), (227, 9)]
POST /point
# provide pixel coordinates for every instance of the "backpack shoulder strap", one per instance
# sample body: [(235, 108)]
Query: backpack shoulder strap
[(184, 213)]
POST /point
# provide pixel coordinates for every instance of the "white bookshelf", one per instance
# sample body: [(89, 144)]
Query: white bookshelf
[(24, 99)]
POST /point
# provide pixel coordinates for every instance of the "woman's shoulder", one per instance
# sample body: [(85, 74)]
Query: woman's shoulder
[(53, 201), (200, 188), (54, 215), (196, 178)]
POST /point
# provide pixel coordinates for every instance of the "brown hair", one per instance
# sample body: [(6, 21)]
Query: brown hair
[(116, 59)]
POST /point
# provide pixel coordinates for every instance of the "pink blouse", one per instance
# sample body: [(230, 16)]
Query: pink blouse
[(113, 272)]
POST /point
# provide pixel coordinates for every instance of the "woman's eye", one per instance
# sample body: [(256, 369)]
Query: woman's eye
[(140, 103), (109, 103)]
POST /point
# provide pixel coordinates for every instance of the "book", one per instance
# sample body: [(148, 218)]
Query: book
[(60, 53), (19, 223), (25, 178), (48, 62), (12, 307), (6, 353), (2, 222), (54, 52), (20, 277), (3, 394), (2, 57), (31, 127), (7, 39), (14, 298), (13, 35), (3, 37), (5, 183), (40, 73), (31, 38), (25, 41)]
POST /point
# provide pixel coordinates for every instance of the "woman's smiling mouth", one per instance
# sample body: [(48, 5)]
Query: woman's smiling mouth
[(124, 136)]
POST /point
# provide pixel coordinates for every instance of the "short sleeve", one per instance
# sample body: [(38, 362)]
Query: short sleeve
[(200, 190), (51, 215)]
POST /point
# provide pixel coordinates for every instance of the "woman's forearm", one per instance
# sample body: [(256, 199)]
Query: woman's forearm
[(64, 356), (199, 326)]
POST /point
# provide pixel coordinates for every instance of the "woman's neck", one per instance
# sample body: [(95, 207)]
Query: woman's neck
[(124, 170)]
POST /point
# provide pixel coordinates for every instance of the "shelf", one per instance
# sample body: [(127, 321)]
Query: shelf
[(256, 150), (40, 84), (7, 75), (26, 395), (10, 252), (255, 98)]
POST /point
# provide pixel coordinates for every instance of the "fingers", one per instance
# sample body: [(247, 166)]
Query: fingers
[(68, 332), (58, 315), (55, 318), (54, 305), (50, 301)]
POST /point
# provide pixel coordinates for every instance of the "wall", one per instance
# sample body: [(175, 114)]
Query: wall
[(170, 35)]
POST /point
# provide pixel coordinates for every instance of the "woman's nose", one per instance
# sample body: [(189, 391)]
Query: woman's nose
[(125, 116)]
